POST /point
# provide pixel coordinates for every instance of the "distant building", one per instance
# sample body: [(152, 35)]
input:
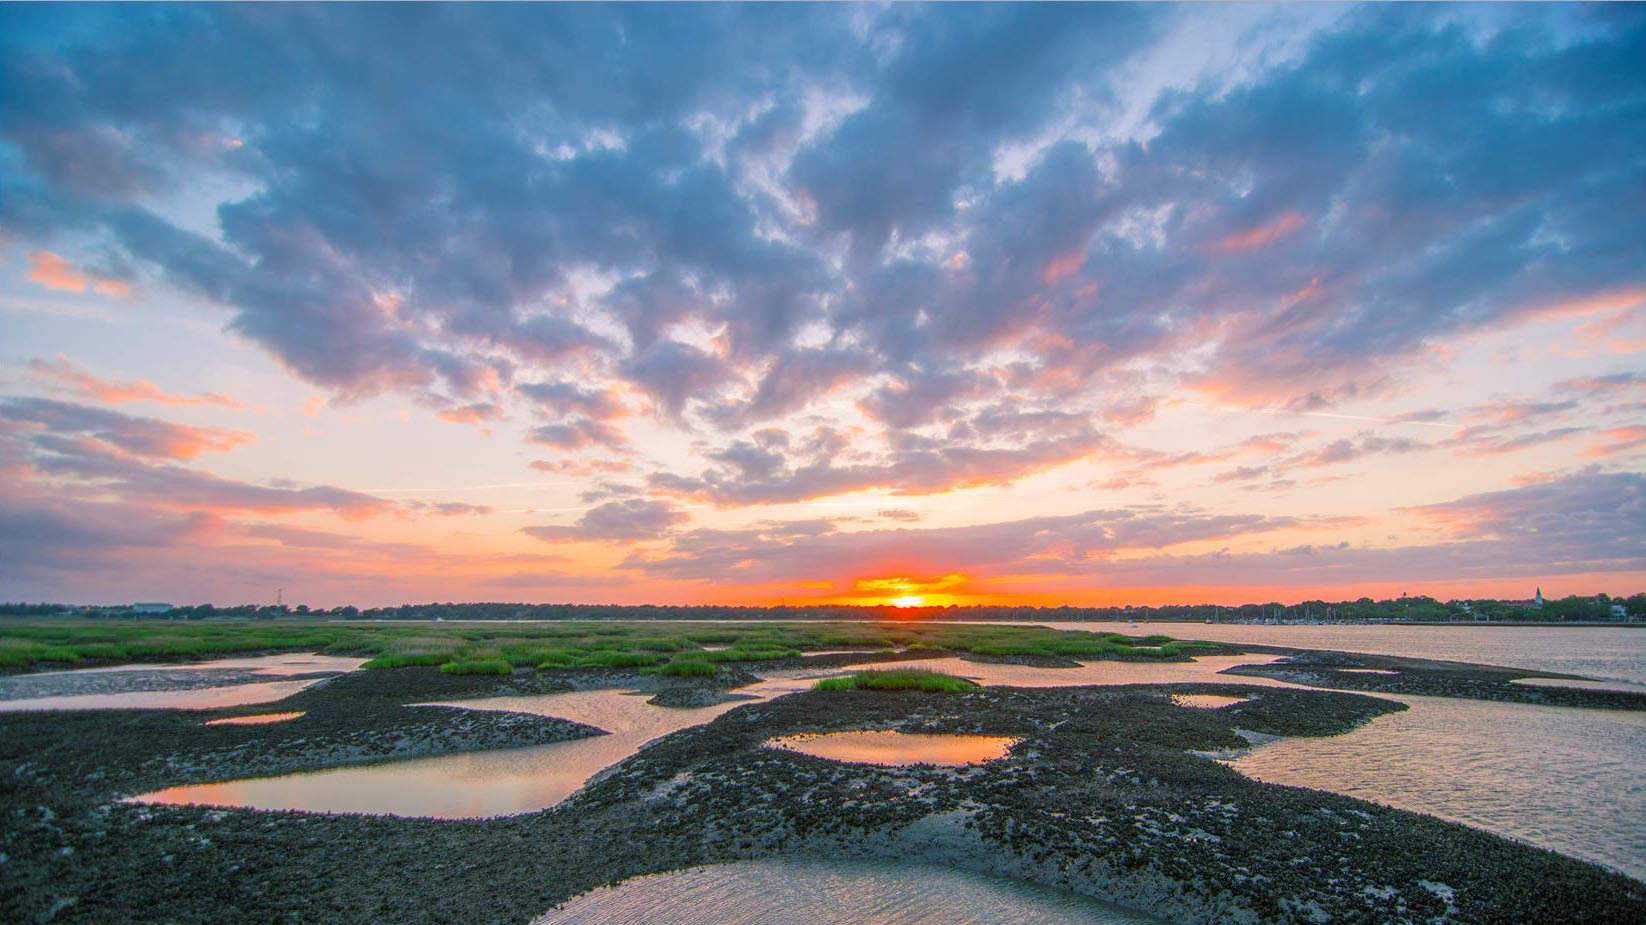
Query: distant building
[(1538, 600), (1619, 612), (150, 607)]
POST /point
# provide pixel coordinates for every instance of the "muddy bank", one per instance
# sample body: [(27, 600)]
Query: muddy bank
[(1102, 797), (1393, 675)]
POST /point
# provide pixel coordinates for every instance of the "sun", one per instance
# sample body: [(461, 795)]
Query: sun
[(908, 600)]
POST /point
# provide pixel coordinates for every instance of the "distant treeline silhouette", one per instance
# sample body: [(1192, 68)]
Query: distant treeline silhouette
[(1401, 609)]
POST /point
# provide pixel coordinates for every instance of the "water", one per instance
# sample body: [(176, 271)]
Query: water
[(848, 893), (256, 719), (1606, 652), (1204, 669), (1561, 778), (223, 682), (1207, 701), (209, 698), (891, 748), (479, 784)]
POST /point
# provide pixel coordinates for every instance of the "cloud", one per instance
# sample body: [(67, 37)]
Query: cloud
[(1617, 441), (447, 508), (79, 453), (60, 370), (473, 413), (747, 474), (136, 435), (1581, 523), (577, 433), (627, 521), (1263, 235), (672, 373), (562, 398), (832, 249), (1071, 544), (53, 272)]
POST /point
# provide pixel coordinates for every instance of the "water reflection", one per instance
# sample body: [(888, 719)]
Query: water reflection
[(207, 698), (895, 749), (1202, 669), (1560, 778), (256, 719), (1207, 701), (480, 784), (223, 682), (849, 893)]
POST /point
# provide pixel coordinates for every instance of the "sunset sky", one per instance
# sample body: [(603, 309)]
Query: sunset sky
[(785, 304)]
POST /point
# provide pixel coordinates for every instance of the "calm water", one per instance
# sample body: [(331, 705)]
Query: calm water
[(1605, 652), (891, 748), (205, 698), (1570, 780), (223, 682), (479, 784), (258, 719), (761, 892)]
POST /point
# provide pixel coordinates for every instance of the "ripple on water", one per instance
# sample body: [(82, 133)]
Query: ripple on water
[(849, 893)]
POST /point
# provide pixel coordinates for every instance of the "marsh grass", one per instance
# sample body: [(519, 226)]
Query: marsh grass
[(62, 642), (688, 668), (902, 679), (478, 666)]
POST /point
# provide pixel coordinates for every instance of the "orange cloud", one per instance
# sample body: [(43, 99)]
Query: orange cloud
[(1263, 235), (1618, 440), (1062, 265), (476, 413), (114, 392), (53, 272), (1599, 303)]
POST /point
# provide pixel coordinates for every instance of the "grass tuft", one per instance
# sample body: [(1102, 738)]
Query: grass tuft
[(689, 668), (904, 679), (478, 666)]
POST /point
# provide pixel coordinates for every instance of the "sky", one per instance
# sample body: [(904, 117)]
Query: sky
[(861, 303)]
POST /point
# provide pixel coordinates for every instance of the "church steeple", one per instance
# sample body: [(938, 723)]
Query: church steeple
[(1538, 600)]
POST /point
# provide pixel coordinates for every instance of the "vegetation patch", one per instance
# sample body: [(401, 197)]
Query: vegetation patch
[(903, 679), (688, 668), (478, 666), (42, 643)]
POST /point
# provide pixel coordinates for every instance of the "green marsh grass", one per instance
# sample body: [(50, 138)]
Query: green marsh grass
[(688, 668), (36, 643), (478, 666), (902, 679)]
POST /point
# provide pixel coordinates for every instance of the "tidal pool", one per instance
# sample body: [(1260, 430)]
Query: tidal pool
[(256, 719), (844, 892), (1207, 701), (478, 784), (895, 749)]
